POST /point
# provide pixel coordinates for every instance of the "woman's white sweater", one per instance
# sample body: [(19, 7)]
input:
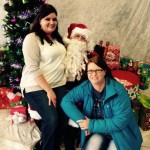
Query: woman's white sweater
[(43, 59)]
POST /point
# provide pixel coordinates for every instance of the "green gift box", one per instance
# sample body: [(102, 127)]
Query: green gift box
[(144, 119), (144, 76)]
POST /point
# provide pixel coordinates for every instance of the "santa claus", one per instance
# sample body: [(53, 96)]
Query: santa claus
[(79, 44)]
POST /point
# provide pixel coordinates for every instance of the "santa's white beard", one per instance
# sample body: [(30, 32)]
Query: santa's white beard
[(76, 59)]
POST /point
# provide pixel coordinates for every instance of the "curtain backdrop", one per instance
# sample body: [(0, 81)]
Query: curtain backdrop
[(122, 22)]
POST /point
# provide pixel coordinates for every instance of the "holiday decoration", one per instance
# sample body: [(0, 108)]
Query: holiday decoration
[(16, 99), (18, 115), (129, 80), (20, 14), (142, 69), (112, 56)]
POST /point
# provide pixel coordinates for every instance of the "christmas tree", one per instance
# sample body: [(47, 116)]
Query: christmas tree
[(20, 14)]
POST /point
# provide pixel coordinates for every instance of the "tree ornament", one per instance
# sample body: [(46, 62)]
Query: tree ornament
[(19, 41), (16, 65), (25, 15), (26, 27), (13, 20)]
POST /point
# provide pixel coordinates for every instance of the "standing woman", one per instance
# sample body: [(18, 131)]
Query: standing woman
[(43, 79)]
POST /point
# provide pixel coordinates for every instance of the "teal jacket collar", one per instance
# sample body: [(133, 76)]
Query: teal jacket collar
[(109, 85)]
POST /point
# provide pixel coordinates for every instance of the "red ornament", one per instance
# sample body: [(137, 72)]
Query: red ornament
[(13, 20)]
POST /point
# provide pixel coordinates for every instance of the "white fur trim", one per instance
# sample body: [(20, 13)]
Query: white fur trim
[(66, 40), (34, 114), (73, 124), (81, 31)]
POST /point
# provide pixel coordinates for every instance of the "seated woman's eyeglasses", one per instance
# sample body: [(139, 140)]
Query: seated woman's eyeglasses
[(96, 71)]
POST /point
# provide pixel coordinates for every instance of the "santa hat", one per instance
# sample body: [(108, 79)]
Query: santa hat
[(78, 28)]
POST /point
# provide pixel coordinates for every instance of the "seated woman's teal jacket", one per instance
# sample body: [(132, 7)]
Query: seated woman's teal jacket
[(119, 120)]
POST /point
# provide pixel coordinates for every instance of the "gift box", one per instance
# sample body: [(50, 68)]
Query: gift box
[(129, 64), (18, 115), (112, 57), (129, 80), (16, 99), (113, 65), (4, 101), (142, 69), (144, 119)]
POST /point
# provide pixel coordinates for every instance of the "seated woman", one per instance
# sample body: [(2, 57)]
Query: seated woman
[(106, 120)]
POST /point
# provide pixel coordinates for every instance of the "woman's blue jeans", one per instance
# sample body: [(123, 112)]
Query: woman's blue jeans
[(54, 120)]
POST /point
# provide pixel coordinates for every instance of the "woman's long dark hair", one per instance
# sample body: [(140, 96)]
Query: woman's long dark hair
[(45, 10)]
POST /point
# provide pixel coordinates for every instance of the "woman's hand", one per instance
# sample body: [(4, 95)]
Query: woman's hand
[(83, 123), (45, 86), (52, 97)]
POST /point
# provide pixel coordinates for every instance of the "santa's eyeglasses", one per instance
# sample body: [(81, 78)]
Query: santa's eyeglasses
[(80, 37)]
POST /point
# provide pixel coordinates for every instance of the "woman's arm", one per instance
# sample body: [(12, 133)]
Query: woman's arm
[(69, 104), (121, 109)]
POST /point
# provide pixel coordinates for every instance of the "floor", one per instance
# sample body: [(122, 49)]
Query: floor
[(4, 116), (146, 140)]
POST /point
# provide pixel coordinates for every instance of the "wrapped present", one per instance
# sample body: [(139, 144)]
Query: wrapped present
[(129, 80), (129, 64), (113, 65), (18, 115), (113, 53), (144, 70), (4, 101), (16, 99), (144, 120), (112, 57)]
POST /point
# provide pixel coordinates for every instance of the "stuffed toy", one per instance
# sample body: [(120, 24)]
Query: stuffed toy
[(18, 118)]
